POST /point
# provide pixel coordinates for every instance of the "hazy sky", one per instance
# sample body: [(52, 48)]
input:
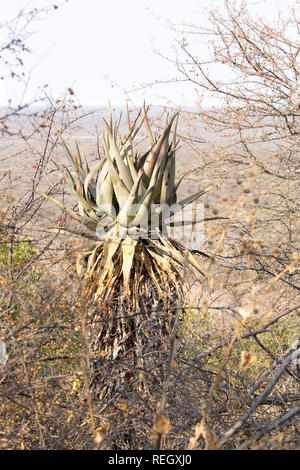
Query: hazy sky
[(87, 43)]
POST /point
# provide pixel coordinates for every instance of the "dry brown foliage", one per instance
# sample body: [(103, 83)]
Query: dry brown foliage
[(228, 377)]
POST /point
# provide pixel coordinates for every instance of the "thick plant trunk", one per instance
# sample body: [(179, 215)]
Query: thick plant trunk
[(129, 335), (129, 346)]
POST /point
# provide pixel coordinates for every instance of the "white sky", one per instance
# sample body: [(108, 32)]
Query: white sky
[(88, 42)]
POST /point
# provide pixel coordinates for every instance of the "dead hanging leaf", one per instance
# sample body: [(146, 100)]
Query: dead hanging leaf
[(161, 426), (71, 91), (246, 359), (4, 282), (209, 436), (100, 434)]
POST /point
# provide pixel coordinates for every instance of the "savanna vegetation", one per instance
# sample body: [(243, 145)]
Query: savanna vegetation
[(113, 333)]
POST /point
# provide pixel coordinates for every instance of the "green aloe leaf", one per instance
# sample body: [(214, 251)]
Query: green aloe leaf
[(100, 182), (122, 168), (89, 178), (62, 206), (120, 189), (66, 230), (155, 150), (68, 153), (104, 198), (143, 211), (188, 200), (150, 136), (165, 184), (124, 215), (82, 156), (84, 203)]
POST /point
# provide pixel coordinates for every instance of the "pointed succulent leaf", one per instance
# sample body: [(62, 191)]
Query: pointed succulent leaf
[(62, 206), (85, 205), (124, 216), (171, 192), (68, 151), (82, 156), (174, 144), (165, 184), (122, 168), (194, 197), (104, 198), (91, 175), (65, 230), (142, 214), (178, 183), (188, 200), (142, 159), (120, 189), (100, 181), (150, 136), (154, 153)]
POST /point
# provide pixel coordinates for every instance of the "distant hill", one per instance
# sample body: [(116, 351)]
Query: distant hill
[(85, 118)]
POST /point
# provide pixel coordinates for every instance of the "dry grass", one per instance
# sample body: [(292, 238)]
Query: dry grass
[(226, 378)]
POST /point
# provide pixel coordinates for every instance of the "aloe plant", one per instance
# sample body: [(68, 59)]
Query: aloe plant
[(132, 266)]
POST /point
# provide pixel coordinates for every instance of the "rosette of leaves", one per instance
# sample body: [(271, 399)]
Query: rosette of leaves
[(133, 269)]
